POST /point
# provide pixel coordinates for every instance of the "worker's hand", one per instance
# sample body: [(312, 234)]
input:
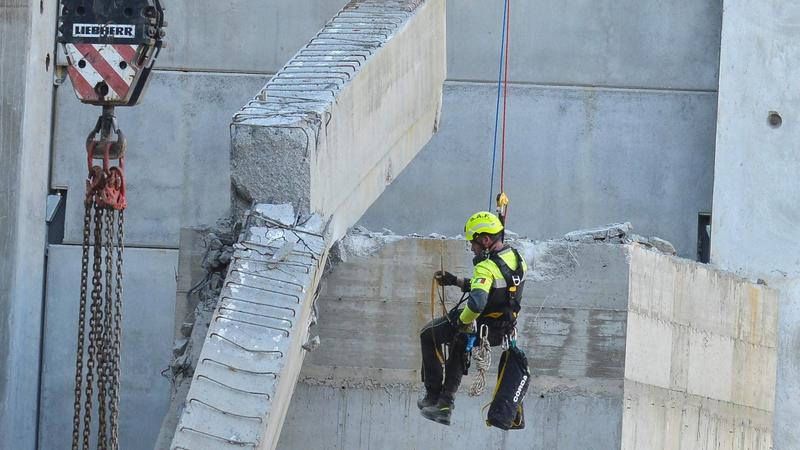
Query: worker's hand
[(445, 278), (455, 321), (467, 328)]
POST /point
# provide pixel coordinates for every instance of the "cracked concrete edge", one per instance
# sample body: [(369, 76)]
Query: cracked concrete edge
[(546, 260)]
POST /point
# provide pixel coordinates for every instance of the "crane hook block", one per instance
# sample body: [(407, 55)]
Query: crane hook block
[(110, 46)]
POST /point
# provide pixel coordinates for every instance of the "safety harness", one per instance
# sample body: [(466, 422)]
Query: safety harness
[(503, 304)]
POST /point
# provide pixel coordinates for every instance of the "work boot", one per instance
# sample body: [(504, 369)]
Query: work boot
[(431, 398), (440, 412)]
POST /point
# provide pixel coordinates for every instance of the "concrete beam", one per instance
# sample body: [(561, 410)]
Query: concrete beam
[(253, 351), (346, 114)]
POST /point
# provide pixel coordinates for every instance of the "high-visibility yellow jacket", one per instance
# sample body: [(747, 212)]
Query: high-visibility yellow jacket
[(493, 298)]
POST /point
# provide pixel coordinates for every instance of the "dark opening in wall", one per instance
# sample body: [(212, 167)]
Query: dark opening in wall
[(704, 237), (774, 119), (56, 215)]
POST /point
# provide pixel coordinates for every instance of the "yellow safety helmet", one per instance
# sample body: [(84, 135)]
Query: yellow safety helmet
[(482, 222)]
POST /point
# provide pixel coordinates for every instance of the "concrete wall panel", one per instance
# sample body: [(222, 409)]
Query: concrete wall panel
[(575, 158), (700, 357), (655, 418), (149, 309), (690, 378), (671, 44), (345, 418), (365, 372), (577, 334), (26, 102), (249, 36), (177, 162)]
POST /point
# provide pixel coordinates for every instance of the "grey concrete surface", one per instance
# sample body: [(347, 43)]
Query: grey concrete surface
[(756, 208), (654, 416), (148, 312), (572, 320), (576, 157), (361, 385), (346, 114), (26, 91), (249, 36), (177, 157), (672, 44), (349, 418), (700, 357), (629, 348), (249, 364)]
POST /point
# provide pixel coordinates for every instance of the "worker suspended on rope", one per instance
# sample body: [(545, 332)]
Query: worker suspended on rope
[(495, 291)]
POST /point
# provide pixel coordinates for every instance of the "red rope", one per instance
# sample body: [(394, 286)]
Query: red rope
[(505, 101)]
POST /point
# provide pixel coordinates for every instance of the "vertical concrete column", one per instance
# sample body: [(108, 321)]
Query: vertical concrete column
[(26, 93), (756, 208)]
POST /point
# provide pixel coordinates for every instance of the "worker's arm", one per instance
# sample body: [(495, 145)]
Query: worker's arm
[(480, 285)]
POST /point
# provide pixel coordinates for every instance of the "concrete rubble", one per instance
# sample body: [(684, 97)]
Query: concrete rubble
[(619, 233)]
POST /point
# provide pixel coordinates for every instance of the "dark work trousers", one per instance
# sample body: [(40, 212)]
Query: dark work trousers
[(435, 334), (438, 333)]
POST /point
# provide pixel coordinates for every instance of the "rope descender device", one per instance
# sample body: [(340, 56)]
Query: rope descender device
[(502, 207)]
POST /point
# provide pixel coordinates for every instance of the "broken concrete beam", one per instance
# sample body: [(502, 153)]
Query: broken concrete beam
[(246, 372), (346, 114)]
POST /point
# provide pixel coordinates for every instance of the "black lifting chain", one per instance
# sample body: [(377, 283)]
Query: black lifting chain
[(99, 331)]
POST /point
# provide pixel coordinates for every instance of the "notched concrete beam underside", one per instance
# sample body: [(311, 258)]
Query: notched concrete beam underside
[(252, 354)]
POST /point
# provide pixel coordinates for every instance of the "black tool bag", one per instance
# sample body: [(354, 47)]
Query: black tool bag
[(513, 378)]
